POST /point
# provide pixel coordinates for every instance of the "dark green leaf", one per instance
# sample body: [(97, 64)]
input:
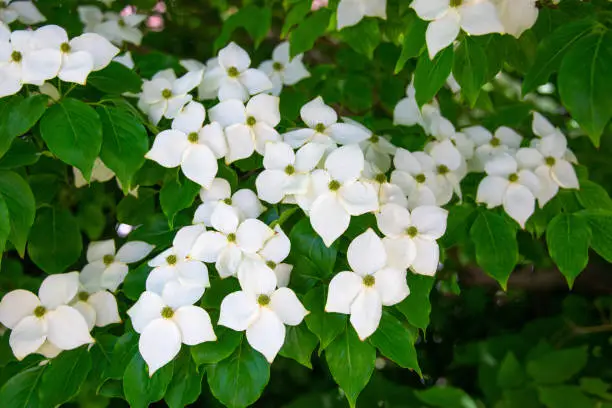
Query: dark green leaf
[(115, 79), (430, 75), (186, 384), (213, 352), (568, 237), (511, 373), (416, 307), (302, 39), (446, 397), (394, 341), (565, 396), (124, 350), (299, 344), (460, 218), (63, 378), (414, 40), (140, 389), (307, 242), (326, 326), (17, 116), (21, 207), (22, 153), (600, 222), (5, 225), (177, 195), (136, 210), (592, 196), (470, 68), (557, 366), (255, 20), (21, 391), (135, 282), (363, 37), (297, 13)]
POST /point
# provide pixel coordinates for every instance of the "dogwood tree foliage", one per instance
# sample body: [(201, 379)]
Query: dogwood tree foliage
[(295, 177)]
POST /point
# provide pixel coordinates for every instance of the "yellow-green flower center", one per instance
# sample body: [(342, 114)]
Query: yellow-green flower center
[(380, 178), (167, 312), (374, 139), (193, 137), (320, 127), (495, 142), (420, 178), (442, 169), (251, 121), (289, 170), (231, 237), (65, 47), (455, 3), (513, 177), (412, 231), (271, 264), (40, 311), (108, 259), (171, 260), (263, 300), (277, 66), (550, 161), (83, 296), (334, 185), (227, 201), (16, 56), (233, 72), (369, 280), (167, 94)]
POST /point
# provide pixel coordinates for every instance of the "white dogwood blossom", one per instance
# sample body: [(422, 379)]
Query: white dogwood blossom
[(248, 128), (164, 95), (377, 150), (370, 285), (516, 15), (191, 145), (18, 10), (114, 27), (488, 145), (414, 174), (284, 70), (508, 185), (165, 323), (475, 17), (98, 307), (407, 111), (323, 127), (44, 322), (411, 236), (351, 12), (262, 311), (287, 172), (340, 194), (107, 268), (244, 202), (232, 78)]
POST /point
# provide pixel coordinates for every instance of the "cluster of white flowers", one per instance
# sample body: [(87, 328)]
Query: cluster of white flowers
[(18, 10), (117, 28), (33, 57), (515, 176)]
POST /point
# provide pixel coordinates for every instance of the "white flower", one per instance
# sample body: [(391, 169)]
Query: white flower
[(22, 11), (286, 172), (411, 236), (262, 310), (443, 129), (165, 95), (244, 202), (322, 127), (35, 321), (106, 268), (204, 90), (119, 29), (232, 240), (98, 307), (166, 322), (350, 12), (340, 194), (190, 145), (272, 254), (99, 173), (475, 17), (377, 150), (249, 128), (371, 284), (488, 145), (387, 192), (282, 69), (174, 273), (232, 78), (508, 185), (414, 174), (407, 112), (517, 15)]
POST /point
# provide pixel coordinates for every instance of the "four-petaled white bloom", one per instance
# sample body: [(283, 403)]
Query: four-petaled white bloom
[(371, 284), (411, 236), (340, 194), (488, 145), (287, 172), (321, 120), (166, 322), (114, 27), (244, 202), (414, 174), (263, 311), (232, 78), (44, 323), (475, 17), (377, 150), (508, 185), (165, 95), (191, 145), (98, 307), (106, 268), (284, 70), (350, 12), (248, 128)]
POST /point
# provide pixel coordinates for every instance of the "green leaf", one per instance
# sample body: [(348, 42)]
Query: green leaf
[(568, 237), (351, 362), (416, 307), (136, 210), (299, 344), (91, 219), (140, 389), (308, 243), (63, 378), (596, 386), (124, 145), (73, 132), (585, 83), (460, 219), (5, 225), (303, 38), (115, 79), (55, 240), (326, 326), (430, 75), (446, 397), (592, 196), (496, 246), (21, 391), (21, 208), (212, 352), (470, 68), (135, 281), (564, 396), (511, 373), (363, 37), (17, 116), (294, 16), (239, 380), (255, 20), (176, 195), (22, 153), (123, 351), (551, 51), (600, 222), (186, 384), (394, 341), (414, 40), (558, 366)]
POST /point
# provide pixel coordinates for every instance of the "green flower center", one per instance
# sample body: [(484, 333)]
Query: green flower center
[(251, 121), (167, 312), (289, 170), (513, 177), (40, 311), (374, 139), (167, 94), (16, 56), (442, 169), (277, 66), (380, 178), (334, 185), (263, 300), (412, 231), (193, 137), (420, 178), (320, 127), (121, 23), (108, 259), (455, 3), (369, 280), (171, 259), (495, 142), (65, 47), (233, 72), (83, 296), (550, 161), (227, 201), (231, 237), (271, 264)]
